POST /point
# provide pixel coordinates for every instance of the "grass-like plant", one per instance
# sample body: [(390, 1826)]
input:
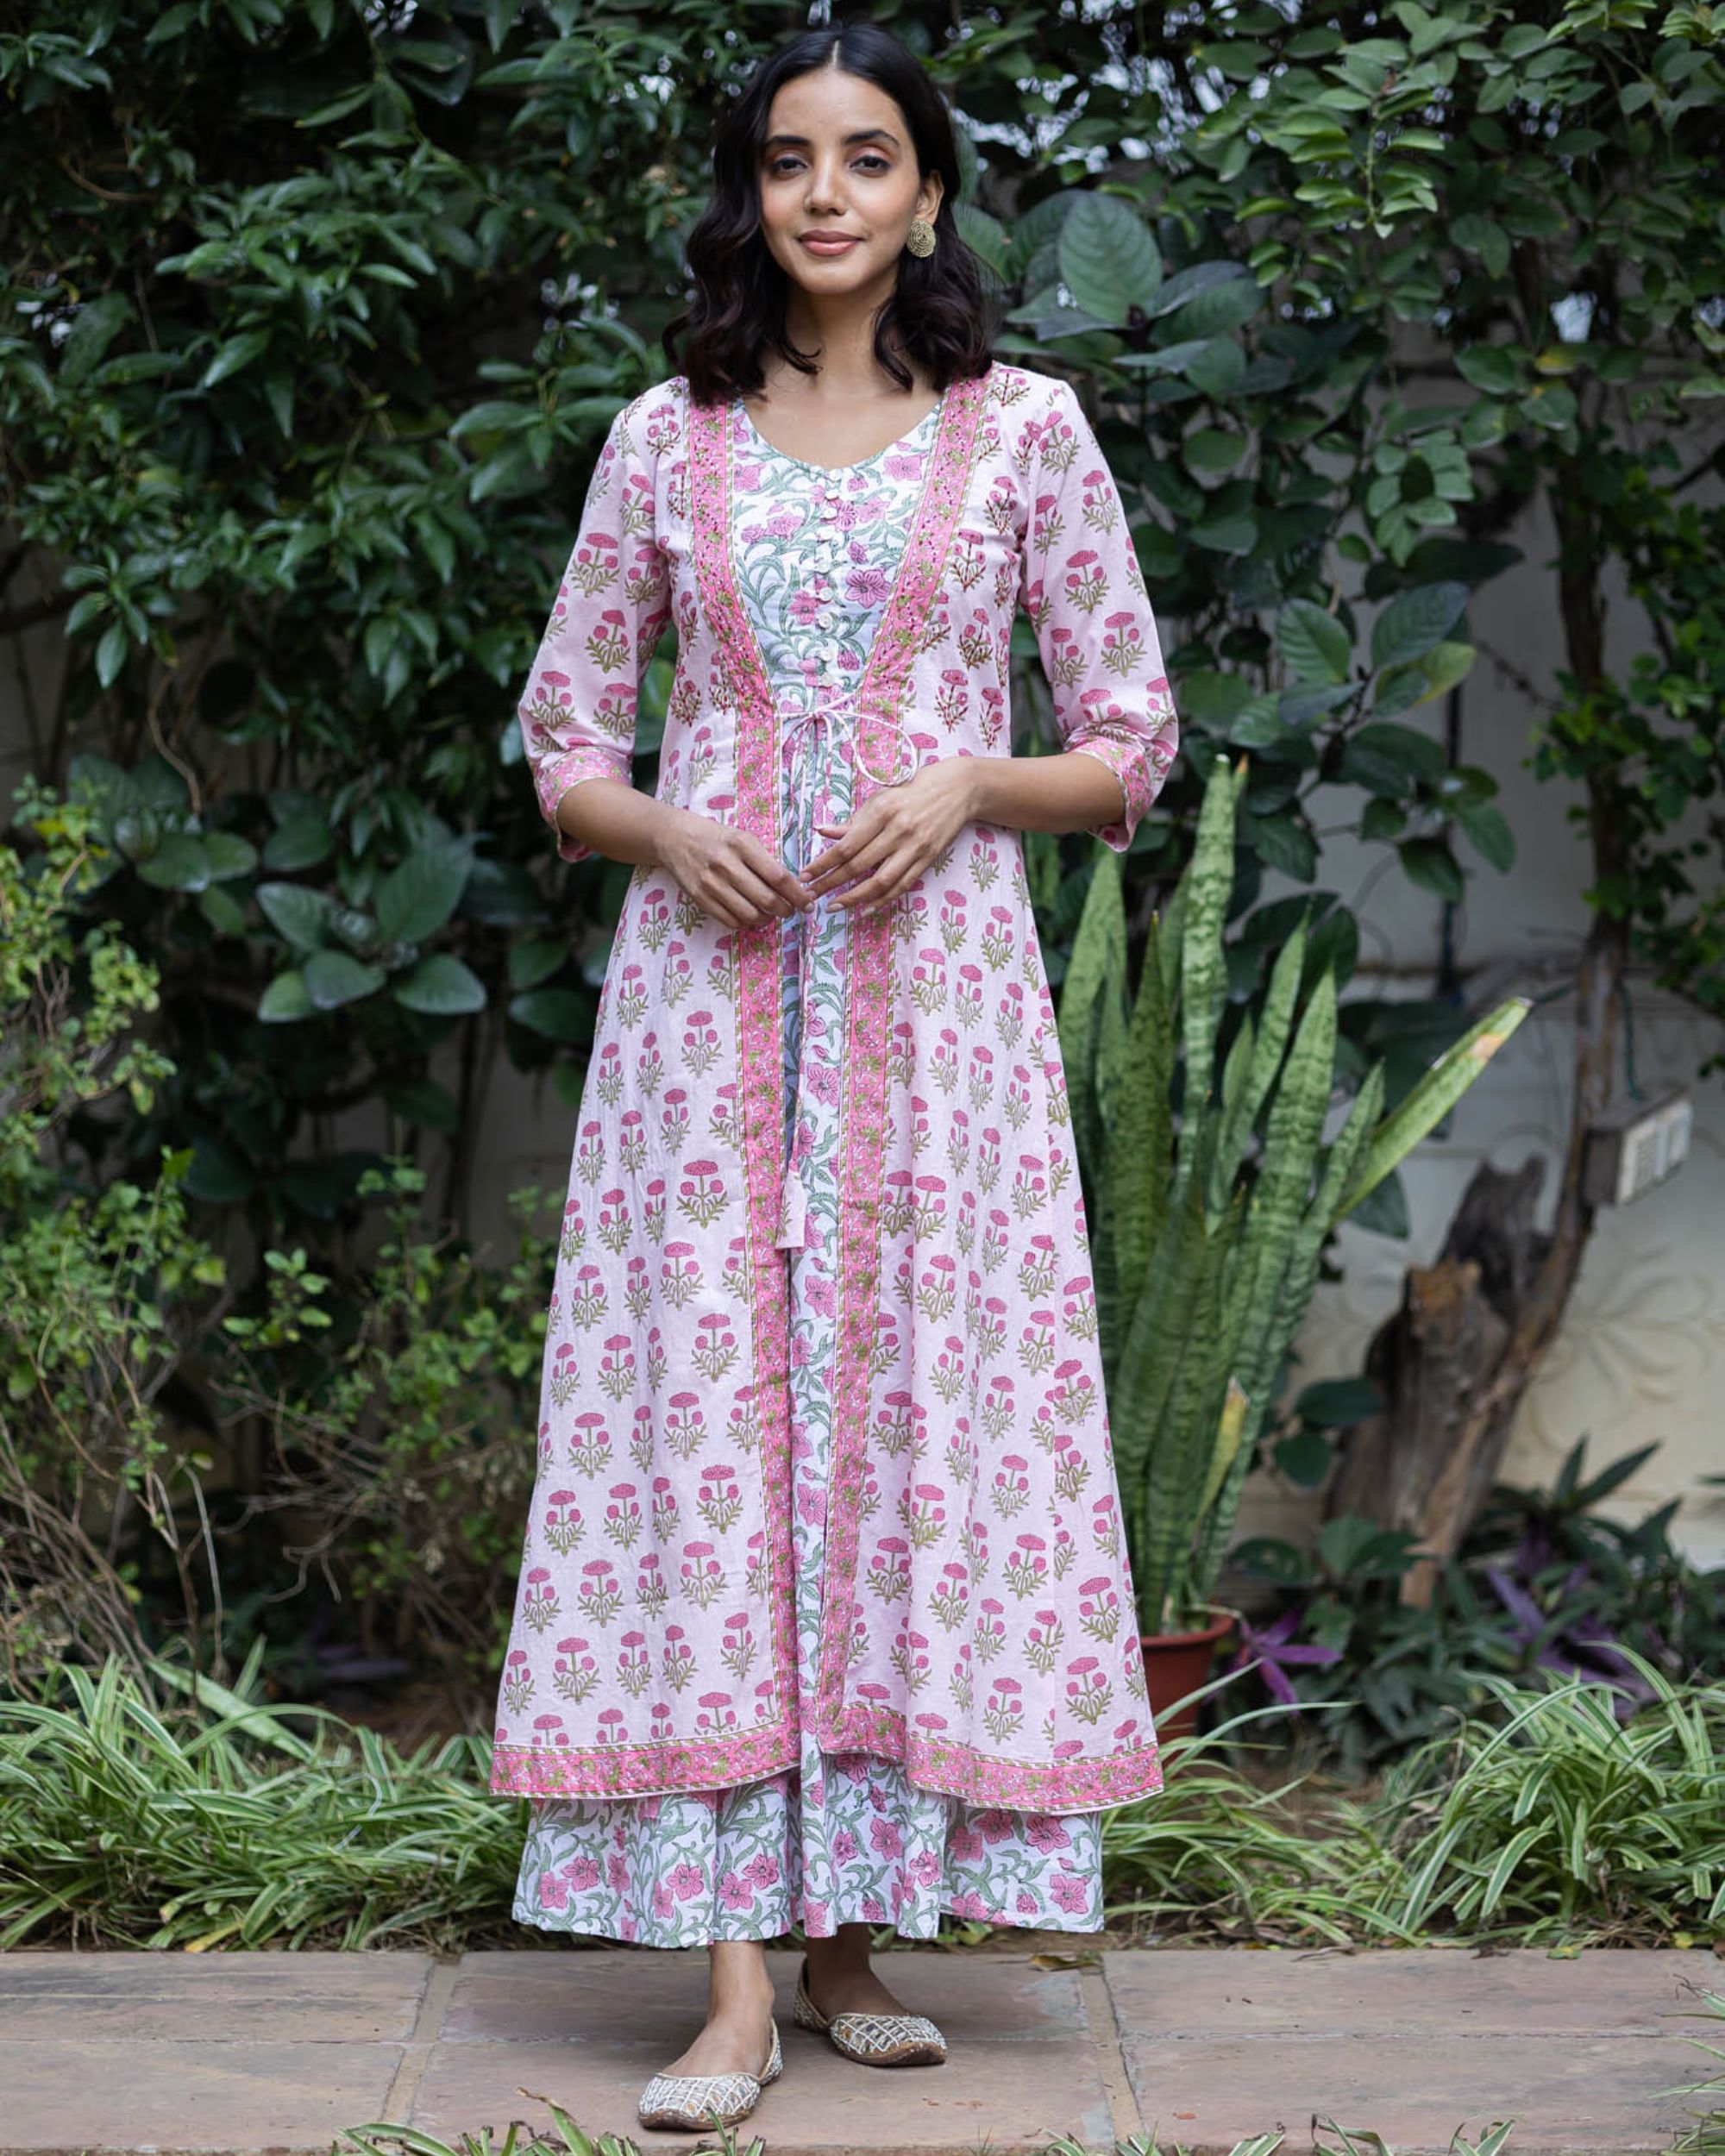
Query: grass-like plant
[(565, 2139), (216, 1819), (1214, 1854), (1552, 1819), (219, 1823), (568, 2139), (1706, 2137)]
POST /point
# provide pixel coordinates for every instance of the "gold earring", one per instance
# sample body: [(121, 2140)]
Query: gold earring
[(920, 238)]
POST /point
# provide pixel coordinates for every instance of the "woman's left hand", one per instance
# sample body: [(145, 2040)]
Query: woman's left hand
[(894, 836)]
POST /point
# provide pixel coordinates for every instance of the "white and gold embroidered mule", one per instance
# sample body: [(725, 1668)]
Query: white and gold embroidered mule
[(696, 2100), (871, 2039)]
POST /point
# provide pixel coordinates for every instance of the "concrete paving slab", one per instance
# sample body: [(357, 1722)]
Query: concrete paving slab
[(586, 2029), (1411, 2042), (628, 1995), (233, 2054), (214, 2097), (314, 1997), (1595, 2097), (1212, 1991), (998, 2095)]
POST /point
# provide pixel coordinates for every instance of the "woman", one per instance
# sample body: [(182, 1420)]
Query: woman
[(824, 1619)]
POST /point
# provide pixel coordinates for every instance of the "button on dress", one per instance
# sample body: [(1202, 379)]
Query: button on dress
[(841, 1838)]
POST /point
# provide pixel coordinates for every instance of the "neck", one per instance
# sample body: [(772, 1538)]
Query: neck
[(839, 333)]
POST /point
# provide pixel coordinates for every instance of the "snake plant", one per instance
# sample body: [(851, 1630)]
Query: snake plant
[(1207, 1220)]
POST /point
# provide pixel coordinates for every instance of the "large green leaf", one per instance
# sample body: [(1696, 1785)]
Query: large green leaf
[(1218, 307), (1109, 260), (181, 862), (440, 985), (302, 842), (535, 961), (1411, 625), (1297, 1109), (560, 1014), (1488, 828), (1184, 1404), (334, 978), (1390, 758), (229, 856), (297, 912), (1429, 862), (415, 899), (1203, 970), (1144, 1122), (95, 325), (285, 1000), (1268, 1043), (1314, 642), (1095, 976)]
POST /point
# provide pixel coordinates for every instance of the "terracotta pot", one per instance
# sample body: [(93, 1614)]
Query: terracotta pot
[(1176, 1663)]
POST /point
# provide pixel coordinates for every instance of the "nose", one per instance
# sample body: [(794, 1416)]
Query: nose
[(824, 190)]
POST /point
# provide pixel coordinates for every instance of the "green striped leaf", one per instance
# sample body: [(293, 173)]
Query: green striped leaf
[(1095, 970), (1431, 1100), (1207, 884), (1144, 1126)]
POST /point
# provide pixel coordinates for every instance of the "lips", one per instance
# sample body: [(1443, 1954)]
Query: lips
[(828, 243)]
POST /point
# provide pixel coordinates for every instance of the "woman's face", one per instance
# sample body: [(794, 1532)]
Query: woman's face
[(838, 163)]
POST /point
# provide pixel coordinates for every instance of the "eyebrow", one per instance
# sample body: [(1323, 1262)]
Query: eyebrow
[(861, 135)]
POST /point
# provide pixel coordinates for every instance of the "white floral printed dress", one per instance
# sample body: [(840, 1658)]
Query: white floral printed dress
[(846, 1838)]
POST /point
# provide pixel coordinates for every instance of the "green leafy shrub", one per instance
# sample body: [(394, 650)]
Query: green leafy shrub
[(103, 1282), (394, 1416), (1541, 1582), (400, 1416)]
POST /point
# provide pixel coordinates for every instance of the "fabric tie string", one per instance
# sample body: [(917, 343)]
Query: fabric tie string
[(806, 772)]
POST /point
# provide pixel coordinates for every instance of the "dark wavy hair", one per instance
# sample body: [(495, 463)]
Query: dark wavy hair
[(936, 313)]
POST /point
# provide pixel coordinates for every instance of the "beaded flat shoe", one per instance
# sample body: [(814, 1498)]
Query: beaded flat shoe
[(871, 2039), (698, 2101)]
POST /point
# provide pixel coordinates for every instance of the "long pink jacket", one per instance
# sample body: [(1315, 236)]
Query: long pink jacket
[(979, 1623)]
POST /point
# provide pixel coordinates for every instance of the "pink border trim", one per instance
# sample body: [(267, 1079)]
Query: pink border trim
[(661, 1769), (868, 966), (1034, 1785), (981, 1777), (1140, 766), (759, 1077)]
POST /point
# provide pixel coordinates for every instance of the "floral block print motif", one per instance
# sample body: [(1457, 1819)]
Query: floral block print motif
[(753, 1862), (848, 1840), (977, 1623)]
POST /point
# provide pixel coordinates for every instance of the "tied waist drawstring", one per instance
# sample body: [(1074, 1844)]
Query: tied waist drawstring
[(805, 757)]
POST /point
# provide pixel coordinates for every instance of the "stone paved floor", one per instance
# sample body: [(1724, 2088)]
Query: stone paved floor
[(253, 2051)]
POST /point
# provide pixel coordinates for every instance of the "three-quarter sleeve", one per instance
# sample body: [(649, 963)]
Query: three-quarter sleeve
[(578, 712), (1084, 593)]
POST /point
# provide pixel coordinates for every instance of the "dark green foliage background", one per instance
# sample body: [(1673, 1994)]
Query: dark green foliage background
[(313, 317)]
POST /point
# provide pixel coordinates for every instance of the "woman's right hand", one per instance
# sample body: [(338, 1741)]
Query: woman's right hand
[(726, 872)]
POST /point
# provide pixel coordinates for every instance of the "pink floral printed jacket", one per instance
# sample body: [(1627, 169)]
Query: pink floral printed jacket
[(979, 1624)]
